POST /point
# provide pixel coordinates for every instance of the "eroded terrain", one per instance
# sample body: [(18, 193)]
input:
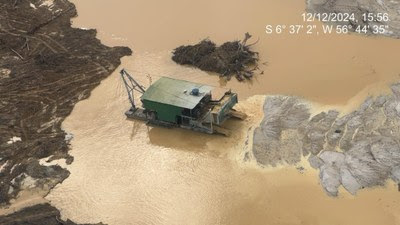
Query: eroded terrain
[(357, 150), (39, 214), (46, 67), (358, 7), (49, 66)]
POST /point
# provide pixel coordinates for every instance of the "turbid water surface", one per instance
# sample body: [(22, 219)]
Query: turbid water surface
[(127, 173)]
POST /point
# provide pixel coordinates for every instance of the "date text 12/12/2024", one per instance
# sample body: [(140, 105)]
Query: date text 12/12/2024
[(372, 23)]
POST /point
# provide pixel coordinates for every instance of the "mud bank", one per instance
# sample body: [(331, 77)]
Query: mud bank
[(39, 214), (357, 150), (46, 67), (170, 171), (358, 7)]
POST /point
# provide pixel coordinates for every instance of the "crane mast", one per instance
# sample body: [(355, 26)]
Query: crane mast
[(131, 85)]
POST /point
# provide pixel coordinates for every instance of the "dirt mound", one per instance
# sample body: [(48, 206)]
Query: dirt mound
[(357, 150), (231, 58)]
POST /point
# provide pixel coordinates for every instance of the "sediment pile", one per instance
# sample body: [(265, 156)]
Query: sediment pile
[(46, 67), (43, 214), (358, 150), (230, 59)]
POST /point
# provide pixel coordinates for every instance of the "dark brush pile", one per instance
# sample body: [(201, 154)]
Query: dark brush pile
[(231, 58)]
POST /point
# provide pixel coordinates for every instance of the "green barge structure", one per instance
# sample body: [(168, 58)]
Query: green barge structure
[(178, 103)]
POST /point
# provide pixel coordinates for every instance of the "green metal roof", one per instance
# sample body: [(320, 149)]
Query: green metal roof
[(175, 92)]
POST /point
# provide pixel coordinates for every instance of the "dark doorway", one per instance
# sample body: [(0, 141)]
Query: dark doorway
[(179, 120)]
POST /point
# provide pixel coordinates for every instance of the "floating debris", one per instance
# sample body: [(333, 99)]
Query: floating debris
[(231, 58)]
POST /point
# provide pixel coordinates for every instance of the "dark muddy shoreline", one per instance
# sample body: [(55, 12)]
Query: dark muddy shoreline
[(39, 214), (46, 67), (358, 150)]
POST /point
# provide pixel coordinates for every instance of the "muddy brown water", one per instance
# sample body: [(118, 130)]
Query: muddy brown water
[(327, 68), (127, 173)]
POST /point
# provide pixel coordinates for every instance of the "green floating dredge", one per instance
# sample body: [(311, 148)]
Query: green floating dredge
[(177, 103)]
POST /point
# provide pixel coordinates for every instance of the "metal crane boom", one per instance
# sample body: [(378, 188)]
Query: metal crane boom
[(131, 85)]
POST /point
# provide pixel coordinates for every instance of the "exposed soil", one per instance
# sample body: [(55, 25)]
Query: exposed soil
[(231, 58), (359, 7), (357, 150), (46, 67), (39, 214)]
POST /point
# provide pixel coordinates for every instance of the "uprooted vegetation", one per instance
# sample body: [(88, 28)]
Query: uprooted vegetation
[(230, 59)]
